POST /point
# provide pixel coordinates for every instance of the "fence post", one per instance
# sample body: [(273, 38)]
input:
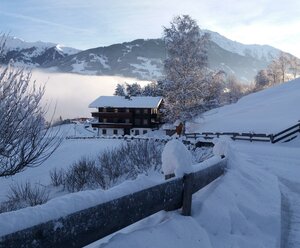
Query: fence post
[(187, 194)]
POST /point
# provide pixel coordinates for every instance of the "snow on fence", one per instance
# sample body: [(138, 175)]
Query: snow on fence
[(86, 226)]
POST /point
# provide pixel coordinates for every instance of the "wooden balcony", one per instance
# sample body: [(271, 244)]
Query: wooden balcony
[(111, 125), (112, 114)]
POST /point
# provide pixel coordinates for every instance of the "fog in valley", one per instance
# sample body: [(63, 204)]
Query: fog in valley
[(70, 94)]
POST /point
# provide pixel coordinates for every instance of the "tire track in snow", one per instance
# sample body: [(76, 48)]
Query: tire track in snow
[(290, 235)]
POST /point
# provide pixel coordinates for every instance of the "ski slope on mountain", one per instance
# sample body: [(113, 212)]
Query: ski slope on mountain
[(267, 111)]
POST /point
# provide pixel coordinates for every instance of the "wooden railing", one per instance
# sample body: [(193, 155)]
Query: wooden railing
[(86, 226), (286, 134)]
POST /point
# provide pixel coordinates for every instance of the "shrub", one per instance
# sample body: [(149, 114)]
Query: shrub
[(129, 160), (83, 174), (25, 195), (57, 177)]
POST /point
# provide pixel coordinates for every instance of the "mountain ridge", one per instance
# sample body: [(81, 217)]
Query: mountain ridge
[(140, 58)]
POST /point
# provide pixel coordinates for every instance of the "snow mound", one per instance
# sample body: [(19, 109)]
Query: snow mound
[(221, 145), (176, 158)]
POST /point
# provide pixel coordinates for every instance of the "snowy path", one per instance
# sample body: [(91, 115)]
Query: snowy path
[(283, 160), (290, 214)]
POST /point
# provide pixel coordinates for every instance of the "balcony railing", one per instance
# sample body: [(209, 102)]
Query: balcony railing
[(111, 125)]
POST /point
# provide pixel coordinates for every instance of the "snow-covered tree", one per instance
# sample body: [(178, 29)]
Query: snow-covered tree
[(152, 89), (233, 90), (185, 69), (133, 89), (262, 80), (25, 139), (274, 72), (120, 90)]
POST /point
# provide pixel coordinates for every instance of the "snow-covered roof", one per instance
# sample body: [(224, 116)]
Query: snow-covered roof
[(122, 102)]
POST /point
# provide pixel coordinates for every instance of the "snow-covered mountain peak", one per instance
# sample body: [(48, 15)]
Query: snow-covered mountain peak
[(264, 52), (66, 50)]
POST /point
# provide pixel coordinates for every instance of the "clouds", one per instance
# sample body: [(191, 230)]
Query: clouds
[(91, 23)]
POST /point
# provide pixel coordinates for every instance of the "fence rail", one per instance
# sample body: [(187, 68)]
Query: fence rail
[(86, 226)]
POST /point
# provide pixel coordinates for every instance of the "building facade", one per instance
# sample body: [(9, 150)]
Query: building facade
[(118, 115)]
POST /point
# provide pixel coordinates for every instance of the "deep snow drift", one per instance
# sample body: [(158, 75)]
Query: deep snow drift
[(267, 111)]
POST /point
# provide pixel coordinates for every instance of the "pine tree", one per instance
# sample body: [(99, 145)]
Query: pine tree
[(120, 90)]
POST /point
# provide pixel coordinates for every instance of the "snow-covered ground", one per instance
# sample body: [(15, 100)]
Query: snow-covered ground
[(255, 204), (267, 111), (244, 208), (68, 152)]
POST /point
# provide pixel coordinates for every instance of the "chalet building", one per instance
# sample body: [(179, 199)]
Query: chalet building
[(119, 115)]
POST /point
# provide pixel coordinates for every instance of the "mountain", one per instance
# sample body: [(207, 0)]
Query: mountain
[(142, 59), (33, 53)]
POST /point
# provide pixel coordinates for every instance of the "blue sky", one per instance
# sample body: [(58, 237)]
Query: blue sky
[(91, 23)]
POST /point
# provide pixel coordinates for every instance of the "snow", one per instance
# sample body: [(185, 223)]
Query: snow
[(257, 51), (61, 206), (221, 145), (14, 43), (176, 158), (254, 204), (240, 209), (148, 67), (268, 111), (68, 152), (122, 102)]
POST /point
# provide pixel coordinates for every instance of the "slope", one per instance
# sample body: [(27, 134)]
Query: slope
[(267, 111)]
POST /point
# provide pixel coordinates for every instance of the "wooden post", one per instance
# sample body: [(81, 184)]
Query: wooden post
[(187, 194)]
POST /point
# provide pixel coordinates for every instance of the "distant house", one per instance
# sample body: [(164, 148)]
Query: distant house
[(119, 115)]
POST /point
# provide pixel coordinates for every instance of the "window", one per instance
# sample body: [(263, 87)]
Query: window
[(127, 120), (137, 111), (154, 111), (145, 122), (115, 120), (144, 131), (127, 110), (146, 111), (104, 110), (137, 122), (104, 120), (116, 131), (116, 110), (103, 131), (136, 132)]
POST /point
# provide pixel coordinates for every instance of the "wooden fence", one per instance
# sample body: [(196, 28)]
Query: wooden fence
[(284, 136), (86, 226)]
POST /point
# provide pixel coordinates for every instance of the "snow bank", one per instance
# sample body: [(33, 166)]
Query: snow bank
[(62, 206), (176, 158)]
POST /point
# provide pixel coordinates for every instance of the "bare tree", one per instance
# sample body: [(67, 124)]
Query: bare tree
[(274, 72), (294, 66), (284, 63), (25, 138)]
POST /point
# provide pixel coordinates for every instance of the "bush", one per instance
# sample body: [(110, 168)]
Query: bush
[(25, 195), (57, 177), (129, 160), (83, 174)]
